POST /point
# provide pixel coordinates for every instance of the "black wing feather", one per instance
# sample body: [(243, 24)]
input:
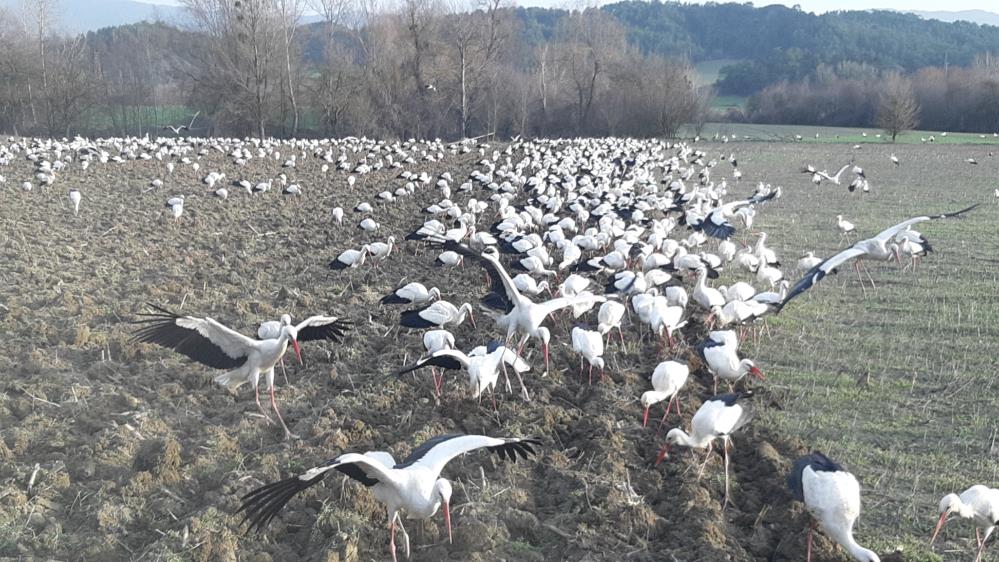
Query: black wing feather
[(412, 319), (818, 462), (807, 281), (335, 330), (444, 361), (263, 504), (520, 447), (730, 398), (722, 231), (395, 299), (161, 329), (707, 344)]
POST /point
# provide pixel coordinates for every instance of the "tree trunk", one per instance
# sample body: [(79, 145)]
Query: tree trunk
[(464, 97), (291, 86)]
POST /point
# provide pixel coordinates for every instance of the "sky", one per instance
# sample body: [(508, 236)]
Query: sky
[(807, 5)]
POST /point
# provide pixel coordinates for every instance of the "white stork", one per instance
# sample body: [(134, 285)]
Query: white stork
[(349, 259), (832, 496), (720, 354), (412, 488), (871, 249), (412, 293), (589, 344), (717, 418), (978, 503), (212, 344), (436, 315), (75, 197), (667, 380)]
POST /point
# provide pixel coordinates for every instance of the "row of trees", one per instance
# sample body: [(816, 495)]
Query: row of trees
[(936, 98), (422, 69)]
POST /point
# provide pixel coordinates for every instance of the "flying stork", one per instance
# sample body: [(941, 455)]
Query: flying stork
[(871, 249), (412, 488)]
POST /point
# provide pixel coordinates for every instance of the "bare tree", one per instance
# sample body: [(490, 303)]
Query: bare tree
[(591, 41), (243, 38), (897, 107), (291, 14), (477, 39)]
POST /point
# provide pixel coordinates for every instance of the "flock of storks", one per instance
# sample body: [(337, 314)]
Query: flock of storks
[(624, 232)]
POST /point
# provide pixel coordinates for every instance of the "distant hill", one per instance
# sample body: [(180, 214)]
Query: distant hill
[(780, 43), (974, 16), (79, 16)]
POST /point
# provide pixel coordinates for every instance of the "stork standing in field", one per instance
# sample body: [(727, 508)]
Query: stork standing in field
[(609, 317), (214, 345), (832, 496), (349, 259), (978, 503), (412, 488), (846, 228), (589, 344), (876, 248), (437, 315), (176, 206), (720, 354), (412, 293), (75, 197), (667, 380), (717, 418)]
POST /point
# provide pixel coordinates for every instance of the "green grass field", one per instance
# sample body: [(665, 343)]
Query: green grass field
[(897, 382), (833, 135)]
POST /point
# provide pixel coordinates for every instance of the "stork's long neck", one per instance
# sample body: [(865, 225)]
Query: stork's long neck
[(697, 441), (845, 538), (702, 277)]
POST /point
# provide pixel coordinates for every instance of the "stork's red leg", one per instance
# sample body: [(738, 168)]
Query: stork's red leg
[(392, 539), (256, 389), (287, 433), (811, 529)]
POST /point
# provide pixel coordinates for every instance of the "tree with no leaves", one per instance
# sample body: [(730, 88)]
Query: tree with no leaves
[(897, 107), (241, 59)]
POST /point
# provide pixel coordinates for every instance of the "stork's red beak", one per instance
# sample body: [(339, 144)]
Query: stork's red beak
[(447, 521), (940, 525), (645, 417), (471, 318), (298, 351), (663, 454), (545, 346), (756, 372)]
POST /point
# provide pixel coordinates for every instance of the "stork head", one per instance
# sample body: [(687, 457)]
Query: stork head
[(467, 309), (949, 504), (648, 399), (434, 293), (443, 487), (286, 320), (752, 369)]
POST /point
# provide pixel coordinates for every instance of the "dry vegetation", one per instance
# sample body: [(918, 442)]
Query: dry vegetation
[(115, 451)]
